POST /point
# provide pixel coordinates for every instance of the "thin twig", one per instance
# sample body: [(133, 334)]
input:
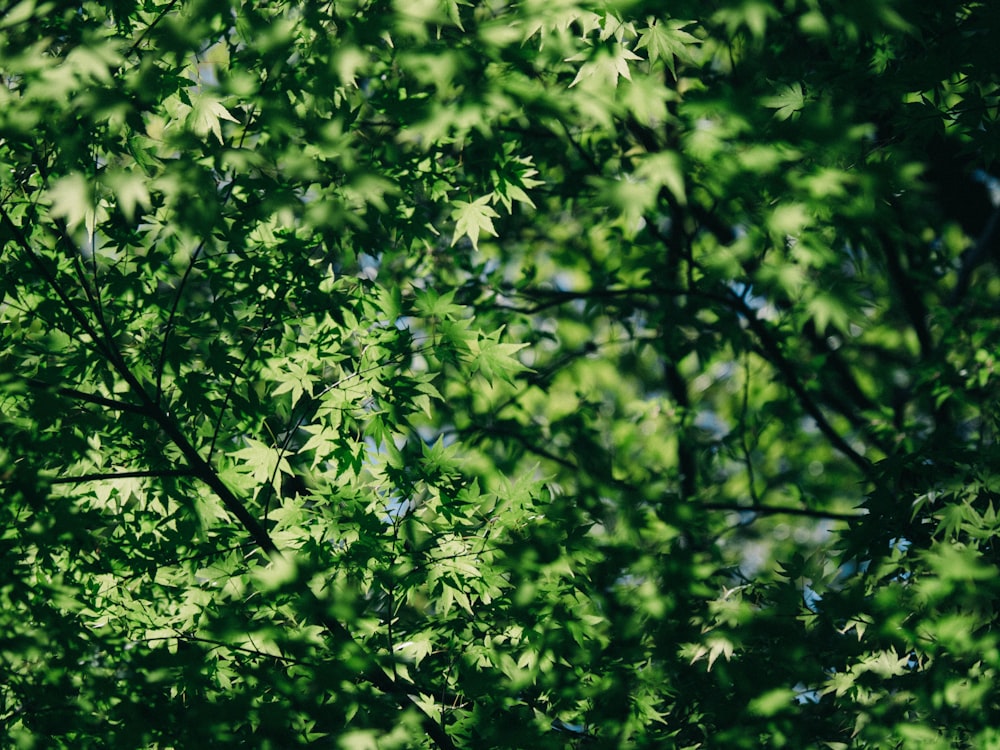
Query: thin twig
[(90, 398), (152, 25), (110, 476), (744, 444), (776, 510)]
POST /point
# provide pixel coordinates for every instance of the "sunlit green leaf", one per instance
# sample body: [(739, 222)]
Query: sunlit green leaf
[(473, 218)]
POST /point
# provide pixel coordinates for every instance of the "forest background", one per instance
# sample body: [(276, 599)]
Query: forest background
[(499, 374)]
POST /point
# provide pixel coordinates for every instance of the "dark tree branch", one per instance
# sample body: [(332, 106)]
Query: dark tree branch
[(171, 318), (152, 25), (687, 463), (101, 476), (756, 507), (984, 248), (744, 429), (526, 443), (846, 381), (90, 398), (909, 295), (773, 510), (49, 277), (232, 386), (842, 392), (770, 350), (548, 298)]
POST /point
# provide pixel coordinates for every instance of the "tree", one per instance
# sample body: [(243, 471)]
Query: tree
[(499, 374)]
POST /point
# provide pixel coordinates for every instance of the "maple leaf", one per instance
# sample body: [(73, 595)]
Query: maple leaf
[(607, 66), (496, 360), (205, 115), (667, 42), (787, 102), (471, 218)]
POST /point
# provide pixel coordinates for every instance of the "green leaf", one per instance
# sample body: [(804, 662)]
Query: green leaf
[(472, 218), (72, 199), (788, 102), (604, 67), (772, 702), (668, 42), (131, 191), (206, 114), (664, 169), (493, 359)]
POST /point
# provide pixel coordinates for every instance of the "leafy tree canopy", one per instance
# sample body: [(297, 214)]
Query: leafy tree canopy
[(499, 374)]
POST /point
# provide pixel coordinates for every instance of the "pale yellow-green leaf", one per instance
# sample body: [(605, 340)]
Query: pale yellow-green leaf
[(347, 61), (369, 190), (664, 169), (91, 63), (206, 112), (473, 218), (772, 702), (416, 648), (883, 663), (713, 647), (259, 460), (615, 27), (829, 309), (72, 199), (358, 739), (605, 67), (839, 683), (18, 14), (277, 573), (646, 98), (788, 219), (788, 102), (130, 190), (668, 42)]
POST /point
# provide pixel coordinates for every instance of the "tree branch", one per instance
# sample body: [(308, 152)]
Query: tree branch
[(90, 398), (775, 510), (101, 476), (913, 303), (43, 270), (771, 349)]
